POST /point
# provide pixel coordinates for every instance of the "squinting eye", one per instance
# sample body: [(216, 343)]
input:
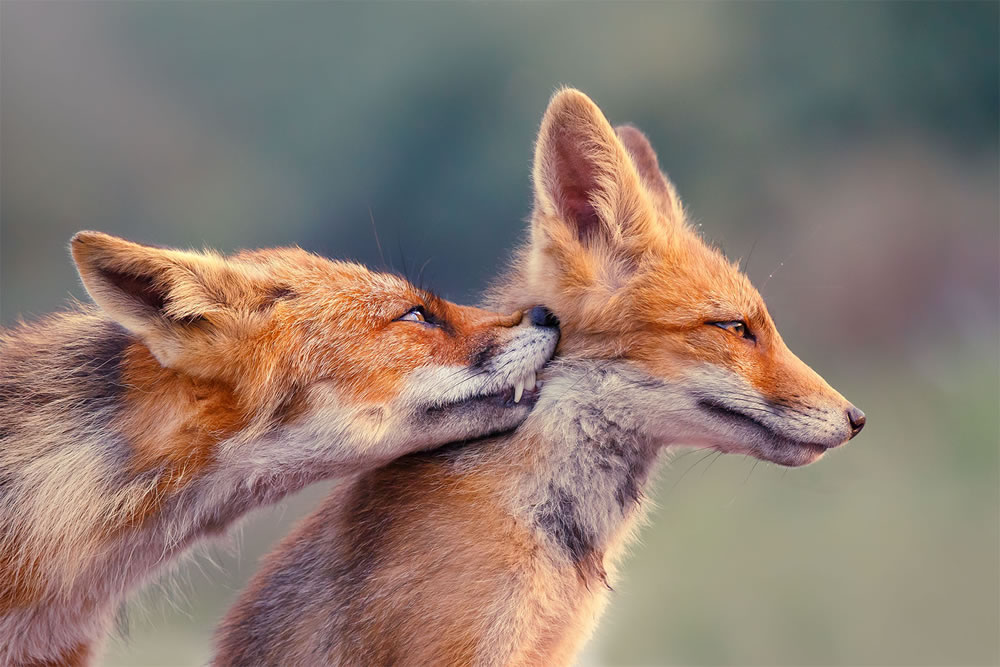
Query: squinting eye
[(413, 315), (736, 327)]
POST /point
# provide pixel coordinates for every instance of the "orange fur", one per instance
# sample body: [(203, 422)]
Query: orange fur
[(503, 553), (204, 387)]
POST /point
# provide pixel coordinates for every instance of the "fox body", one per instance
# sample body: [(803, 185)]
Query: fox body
[(202, 387), (502, 553)]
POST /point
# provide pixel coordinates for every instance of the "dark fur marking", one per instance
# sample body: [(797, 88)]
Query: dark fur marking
[(557, 517), (148, 292), (274, 295), (634, 466), (729, 413), (290, 408), (628, 492), (6, 482), (100, 360), (484, 356), (142, 288), (433, 305), (91, 363), (59, 363)]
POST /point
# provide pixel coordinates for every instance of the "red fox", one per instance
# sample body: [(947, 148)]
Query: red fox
[(503, 553), (203, 387)]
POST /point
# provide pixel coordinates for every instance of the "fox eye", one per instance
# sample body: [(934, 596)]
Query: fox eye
[(415, 314), (737, 328)]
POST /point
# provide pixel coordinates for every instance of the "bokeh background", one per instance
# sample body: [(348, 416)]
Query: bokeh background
[(847, 151)]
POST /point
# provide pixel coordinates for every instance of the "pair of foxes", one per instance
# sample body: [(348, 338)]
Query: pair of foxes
[(202, 387)]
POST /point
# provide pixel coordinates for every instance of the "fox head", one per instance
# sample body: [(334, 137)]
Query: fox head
[(611, 253), (313, 353)]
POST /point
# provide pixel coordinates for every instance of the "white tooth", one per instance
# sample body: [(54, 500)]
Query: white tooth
[(518, 390), (530, 381)]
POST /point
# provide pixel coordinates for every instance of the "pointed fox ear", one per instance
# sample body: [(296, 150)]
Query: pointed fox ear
[(158, 294), (658, 186), (584, 177)]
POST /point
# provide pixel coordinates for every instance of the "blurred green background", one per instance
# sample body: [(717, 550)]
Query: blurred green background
[(853, 147)]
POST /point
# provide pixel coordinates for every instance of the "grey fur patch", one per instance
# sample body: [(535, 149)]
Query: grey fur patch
[(62, 362), (558, 517)]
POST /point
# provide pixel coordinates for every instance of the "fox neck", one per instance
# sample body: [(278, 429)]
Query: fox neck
[(214, 460), (592, 463), (140, 461)]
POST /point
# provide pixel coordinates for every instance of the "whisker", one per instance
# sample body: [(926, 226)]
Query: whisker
[(378, 242), (685, 473), (746, 262), (745, 480), (763, 407), (711, 463), (420, 273), (802, 242)]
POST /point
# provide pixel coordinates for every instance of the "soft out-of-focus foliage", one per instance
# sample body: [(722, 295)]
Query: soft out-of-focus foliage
[(847, 151)]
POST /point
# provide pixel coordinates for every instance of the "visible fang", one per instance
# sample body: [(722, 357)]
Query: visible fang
[(530, 381), (518, 390)]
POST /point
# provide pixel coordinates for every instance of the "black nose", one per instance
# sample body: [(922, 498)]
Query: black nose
[(857, 419), (541, 316)]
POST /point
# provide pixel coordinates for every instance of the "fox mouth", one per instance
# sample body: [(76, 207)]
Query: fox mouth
[(527, 382), (522, 391), (514, 396), (768, 445)]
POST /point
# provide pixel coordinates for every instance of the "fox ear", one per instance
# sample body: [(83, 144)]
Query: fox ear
[(158, 294), (659, 187), (584, 177)]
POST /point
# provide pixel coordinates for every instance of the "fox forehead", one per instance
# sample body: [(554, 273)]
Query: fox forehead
[(331, 285), (334, 320), (694, 281)]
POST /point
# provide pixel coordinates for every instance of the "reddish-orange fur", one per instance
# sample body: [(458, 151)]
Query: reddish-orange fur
[(502, 553), (202, 388)]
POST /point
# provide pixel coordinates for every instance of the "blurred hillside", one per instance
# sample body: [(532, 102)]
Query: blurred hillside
[(848, 151)]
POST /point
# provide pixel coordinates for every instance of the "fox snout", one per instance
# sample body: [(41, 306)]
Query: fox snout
[(519, 353), (490, 389)]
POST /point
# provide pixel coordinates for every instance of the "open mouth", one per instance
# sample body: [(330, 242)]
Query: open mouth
[(515, 395), (779, 448), (528, 382), (523, 390)]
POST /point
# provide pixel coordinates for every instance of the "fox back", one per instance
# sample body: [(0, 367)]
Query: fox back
[(503, 553)]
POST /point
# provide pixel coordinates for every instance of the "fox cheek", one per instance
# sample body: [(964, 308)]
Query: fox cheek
[(481, 357)]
